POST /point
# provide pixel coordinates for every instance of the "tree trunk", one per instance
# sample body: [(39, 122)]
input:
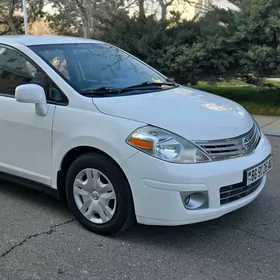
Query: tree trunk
[(85, 18), (163, 13), (260, 82), (163, 10), (10, 18), (256, 81), (11, 23), (142, 14)]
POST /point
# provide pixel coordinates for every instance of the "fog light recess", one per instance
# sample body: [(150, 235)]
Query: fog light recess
[(195, 200)]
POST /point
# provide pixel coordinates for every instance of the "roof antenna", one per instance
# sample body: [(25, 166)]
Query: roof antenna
[(25, 17)]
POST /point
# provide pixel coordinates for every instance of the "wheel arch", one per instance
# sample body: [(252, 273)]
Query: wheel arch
[(68, 159)]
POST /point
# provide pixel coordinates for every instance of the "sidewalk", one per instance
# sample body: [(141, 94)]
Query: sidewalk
[(269, 125)]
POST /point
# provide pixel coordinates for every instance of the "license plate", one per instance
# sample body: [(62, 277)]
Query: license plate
[(258, 171)]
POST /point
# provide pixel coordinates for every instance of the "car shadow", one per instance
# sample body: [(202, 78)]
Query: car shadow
[(205, 231), (243, 223), (26, 194)]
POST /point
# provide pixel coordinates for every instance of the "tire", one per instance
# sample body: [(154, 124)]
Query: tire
[(118, 214)]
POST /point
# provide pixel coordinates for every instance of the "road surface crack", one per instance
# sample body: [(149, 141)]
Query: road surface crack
[(50, 231), (254, 234)]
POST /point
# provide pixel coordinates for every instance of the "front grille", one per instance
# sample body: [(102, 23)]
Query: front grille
[(233, 147), (237, 191)]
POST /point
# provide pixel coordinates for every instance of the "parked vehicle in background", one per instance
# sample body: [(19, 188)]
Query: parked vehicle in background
[(120, 141)]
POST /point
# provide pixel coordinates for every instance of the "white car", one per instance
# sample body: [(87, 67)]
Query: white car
[(119, 141)]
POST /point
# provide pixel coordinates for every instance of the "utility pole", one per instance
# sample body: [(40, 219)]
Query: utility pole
[(25, 17)]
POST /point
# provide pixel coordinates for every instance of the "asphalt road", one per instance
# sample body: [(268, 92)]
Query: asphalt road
[(40, 240)]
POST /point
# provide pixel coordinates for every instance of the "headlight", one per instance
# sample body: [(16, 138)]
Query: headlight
[(165, 145), (257, 126)]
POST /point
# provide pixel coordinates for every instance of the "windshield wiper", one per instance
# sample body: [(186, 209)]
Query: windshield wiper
[(148, 84), (101, 90), (113, 91)]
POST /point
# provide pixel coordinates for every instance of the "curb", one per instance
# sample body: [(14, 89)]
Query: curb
[(265, 122), (271, 132)]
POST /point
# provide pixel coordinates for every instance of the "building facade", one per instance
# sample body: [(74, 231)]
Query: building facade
[(189, 10)]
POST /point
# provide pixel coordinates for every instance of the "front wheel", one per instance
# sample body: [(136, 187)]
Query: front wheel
[(98, 194)]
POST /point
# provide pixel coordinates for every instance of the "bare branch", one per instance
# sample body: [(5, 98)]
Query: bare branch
[(129, 5), (169, 3)]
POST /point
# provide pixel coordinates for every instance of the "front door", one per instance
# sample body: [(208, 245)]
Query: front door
[(25, 137)]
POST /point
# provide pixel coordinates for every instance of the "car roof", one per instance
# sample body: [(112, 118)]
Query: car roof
[(32, 40)]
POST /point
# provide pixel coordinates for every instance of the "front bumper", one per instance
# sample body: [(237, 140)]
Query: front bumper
[(157, 186)]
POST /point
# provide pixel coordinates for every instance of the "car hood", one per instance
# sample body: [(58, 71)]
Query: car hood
[(193, 114)]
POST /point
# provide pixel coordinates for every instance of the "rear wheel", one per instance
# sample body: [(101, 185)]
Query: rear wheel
[(98, 194)]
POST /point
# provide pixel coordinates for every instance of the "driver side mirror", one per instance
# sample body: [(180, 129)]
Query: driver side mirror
[(32, 93)]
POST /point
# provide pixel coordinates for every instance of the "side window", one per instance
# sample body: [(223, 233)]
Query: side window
[(54, 94), (16, 70)]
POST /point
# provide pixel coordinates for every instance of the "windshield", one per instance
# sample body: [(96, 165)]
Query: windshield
[(93, 66)]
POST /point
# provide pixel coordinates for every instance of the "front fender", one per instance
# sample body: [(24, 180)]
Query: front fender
[(108, 136)]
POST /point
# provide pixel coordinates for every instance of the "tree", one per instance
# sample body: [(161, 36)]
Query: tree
[(171, 50), (11, 20), (258, 30), (81, 17), (251, 32), (145, 39), (164, 4), (8, 19), (66, 18), (243, 43), (140, 7)]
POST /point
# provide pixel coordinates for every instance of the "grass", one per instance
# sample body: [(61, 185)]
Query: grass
[(276, 83), (256, 101)]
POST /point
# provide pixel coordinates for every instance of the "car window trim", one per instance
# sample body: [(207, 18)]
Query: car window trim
[(46, 76)]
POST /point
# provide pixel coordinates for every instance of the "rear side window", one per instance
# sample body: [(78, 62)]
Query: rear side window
[(16, 70)]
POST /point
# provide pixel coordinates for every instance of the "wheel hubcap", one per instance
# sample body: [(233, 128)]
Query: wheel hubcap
[(95, 196)]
